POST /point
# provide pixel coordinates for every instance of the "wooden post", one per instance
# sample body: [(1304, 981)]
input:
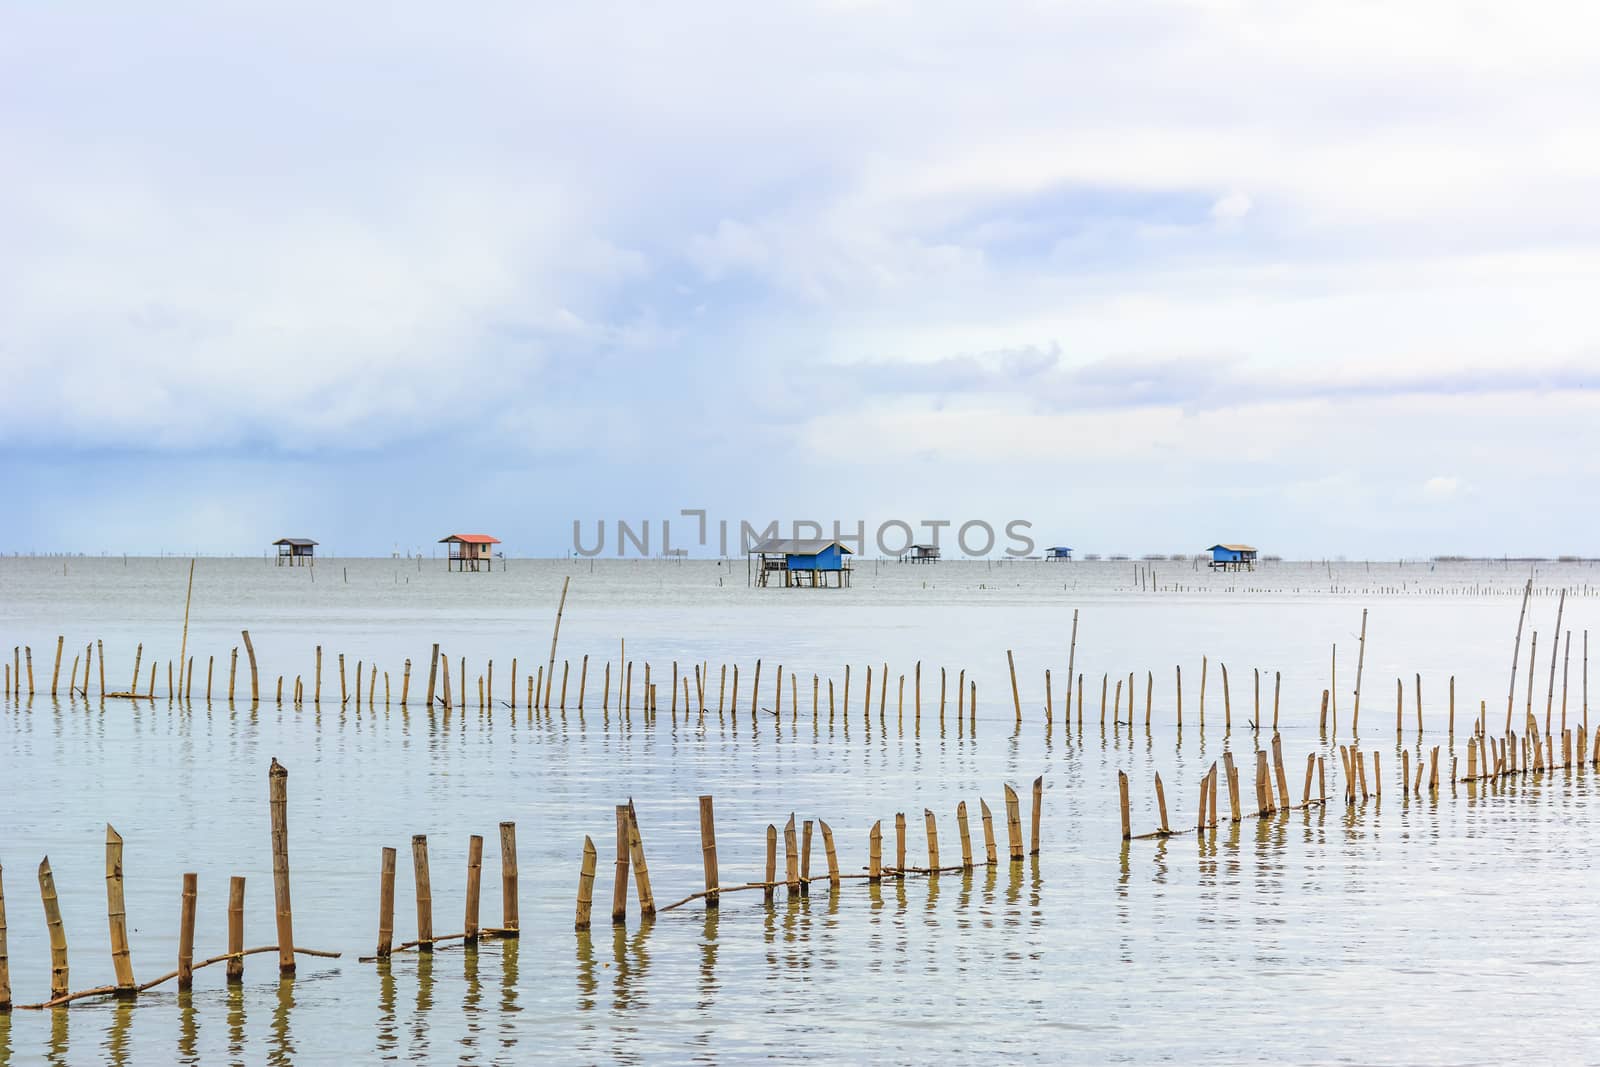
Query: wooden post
[(255, 678), (1511, 692), (133, 687), (1279, 772), (58, 933), (900, 844), (344, 691), (1161, 805), (1233, 786), (233, 670), (1263, 784), (5, 958), (1277, 689), (419, 870), (1452, 730), (966, 836), (1311, 765), (433, 673), (1227, 702), (875, 852), (474, 887), (771, 878), (278, 802), (117, 917), (1149, 695), (100, 658), (708, 850), (805, 858), (386, 903), (932, 829), (235, 965), (55, 672), (641, 873), (1179, 670), (1361, 660), (828, 850), (508, 877), (586, 884), (554, 636), (1072, 657), (211, 665), (791, 858), (619, 885), (1204, 667), (1555, 649), (186, 932), (991, 856), (917, 693), (316, 691), (1016, 699), (1038, 814), (1122, 798), (1399, 701)]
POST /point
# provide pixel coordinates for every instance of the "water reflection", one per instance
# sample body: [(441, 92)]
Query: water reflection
[(188, 1028), (510, 950), (280, 1045), (388, 1037), (235, 994)]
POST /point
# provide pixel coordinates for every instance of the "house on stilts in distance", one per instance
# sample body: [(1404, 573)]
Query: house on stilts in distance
[(296, 551), (799, 562), (1232, 558), (470, 552)]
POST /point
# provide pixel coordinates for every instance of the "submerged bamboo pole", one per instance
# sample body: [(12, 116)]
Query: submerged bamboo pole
[(932, 830), (641, 872), (55, 672), (1361, 660), (117, 916), (278, 802), (5, 957), (1511, 692), (828, 850), (791, 858), (966, 835), (900, 844), (386, 903), (235, 967), (555, 635), (619, 885), (58, 932), (186, 932), (255, 678), (990, 853), (770, 882), (586, 884), (424, 892), (708, 850), (469, 922), (508, 878), (1122, 801), (1072, 657), (875, 852), (1016, 698)]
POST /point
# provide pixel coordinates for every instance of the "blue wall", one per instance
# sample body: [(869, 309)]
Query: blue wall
[(829, 559), (1226, 555)]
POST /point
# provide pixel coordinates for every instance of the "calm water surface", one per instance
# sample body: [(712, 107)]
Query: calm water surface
[(1397, 931)]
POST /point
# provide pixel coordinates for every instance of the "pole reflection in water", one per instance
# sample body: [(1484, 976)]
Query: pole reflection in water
[(472, 1003), (388, 1036), (117, 1037), (588, 987), (188, 1028), (509, 1008), (58, 1037), (280, 1048), (708, 958), (419, 1018), (632, 965), (235, 993)]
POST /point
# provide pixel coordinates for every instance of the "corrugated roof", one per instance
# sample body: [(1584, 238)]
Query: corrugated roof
[(1232, 548), (798, 546), (470, 539), (298, 542)]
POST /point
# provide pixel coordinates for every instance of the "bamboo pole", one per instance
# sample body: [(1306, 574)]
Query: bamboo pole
[(508, 878), (1566, 670), (117, 915), (900, 844), (1233, 786), (433, 672), (211, 664), (1277, 689), (1038, 816), (791, 858), (1279, 772), (966, 836), (990, 853), (641, 873), (805, 858), (1122, 800), (554, 636), (1555, 649), (1016, 698), (1361, 660), (100, 648), (186, 932), (932, 829), (55, 672), (708, 849), (183, 645), (474, 887), (235, 967), (1072, 657), (1013, 823), (1161, 805), (1149, 695), (1399, 702), (133, 687), (386, 903), (58, 932), (875, 852), (1204, 667), (5, 956), (424, 888), (1511, 692), (278, 802), (1179, 670), (1227, 702), (917, 693), (619, 885), (586, 885), (772, 862), (316, 681), (828, 850)]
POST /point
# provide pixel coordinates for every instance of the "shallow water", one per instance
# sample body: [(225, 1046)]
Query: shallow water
[(1420, 930)]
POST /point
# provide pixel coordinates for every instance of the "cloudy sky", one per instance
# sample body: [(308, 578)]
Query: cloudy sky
[(1316, 276)]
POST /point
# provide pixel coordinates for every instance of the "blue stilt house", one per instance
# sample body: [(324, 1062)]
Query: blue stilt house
[(1233, 558), (1058, 553), (796, 562)]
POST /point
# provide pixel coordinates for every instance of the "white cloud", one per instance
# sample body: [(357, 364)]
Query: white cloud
[(1440, 487)]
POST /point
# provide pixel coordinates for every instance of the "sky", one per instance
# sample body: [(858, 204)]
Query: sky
[(1317, 277)]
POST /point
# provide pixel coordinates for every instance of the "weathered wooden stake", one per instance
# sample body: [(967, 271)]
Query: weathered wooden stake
[(586, 884), (1038, 815), (235, 965), (117, 916), (58, 932), (619, 885), (419, 870), (1122, 798), (278, 803), (186, 932), (386, 903), (833, 857), (990, 854)]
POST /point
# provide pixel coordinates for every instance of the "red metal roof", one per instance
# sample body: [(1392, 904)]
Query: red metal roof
[(471, 539)]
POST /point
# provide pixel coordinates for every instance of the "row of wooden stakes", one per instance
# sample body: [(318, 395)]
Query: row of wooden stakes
[(126, 985)]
